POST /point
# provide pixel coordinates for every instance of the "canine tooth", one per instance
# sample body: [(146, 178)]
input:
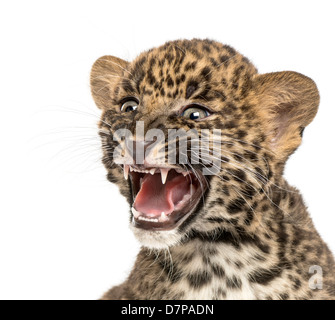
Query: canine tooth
[(163, 217), (164, 174), (192, 190), (185, 173), (152, 171), (136, 214), (126, 171), (131, 169)]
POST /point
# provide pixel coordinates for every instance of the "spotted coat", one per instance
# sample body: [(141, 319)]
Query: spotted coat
[(251, 237)]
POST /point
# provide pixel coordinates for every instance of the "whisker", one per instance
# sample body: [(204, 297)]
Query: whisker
[(256, 173), (258, 191), (252, 209)]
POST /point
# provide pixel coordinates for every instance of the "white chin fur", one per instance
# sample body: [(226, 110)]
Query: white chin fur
[(156, 239)]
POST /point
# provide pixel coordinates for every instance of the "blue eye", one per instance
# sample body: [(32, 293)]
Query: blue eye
[(129, 106), (195, 113)]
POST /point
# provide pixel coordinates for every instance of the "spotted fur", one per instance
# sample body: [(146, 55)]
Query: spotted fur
[(251, 237)]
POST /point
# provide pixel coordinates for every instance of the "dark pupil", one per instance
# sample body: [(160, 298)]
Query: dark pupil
[(130, 108), (194, 115)]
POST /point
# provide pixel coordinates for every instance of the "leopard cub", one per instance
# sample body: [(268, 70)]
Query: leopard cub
[(197, 140)]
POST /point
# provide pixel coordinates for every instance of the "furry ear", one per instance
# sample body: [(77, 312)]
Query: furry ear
[(287, 102), (105, 71)]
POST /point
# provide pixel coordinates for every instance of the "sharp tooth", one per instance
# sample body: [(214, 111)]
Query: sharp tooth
[(192, 190), (152, 171), (136, 214), (185, 173), (164, 174), (126, 171), (131, 169), (163, 217)]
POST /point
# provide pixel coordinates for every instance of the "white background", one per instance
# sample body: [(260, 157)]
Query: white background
[(63, 228)]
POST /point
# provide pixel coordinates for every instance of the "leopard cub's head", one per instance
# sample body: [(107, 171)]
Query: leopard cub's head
[(192, 134)]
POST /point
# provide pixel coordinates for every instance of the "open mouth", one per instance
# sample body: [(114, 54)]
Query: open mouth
[(163, 197)]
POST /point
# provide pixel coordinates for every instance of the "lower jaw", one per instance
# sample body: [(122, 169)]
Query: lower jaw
[(157, 239), (173, 220)]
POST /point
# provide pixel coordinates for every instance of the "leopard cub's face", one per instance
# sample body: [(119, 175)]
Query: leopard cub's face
[(192, 134)]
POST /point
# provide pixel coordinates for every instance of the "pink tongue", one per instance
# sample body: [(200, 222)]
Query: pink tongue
[(155, 197)]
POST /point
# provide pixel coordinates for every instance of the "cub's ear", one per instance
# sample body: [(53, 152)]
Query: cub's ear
[(287, 102), (105, 72)]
